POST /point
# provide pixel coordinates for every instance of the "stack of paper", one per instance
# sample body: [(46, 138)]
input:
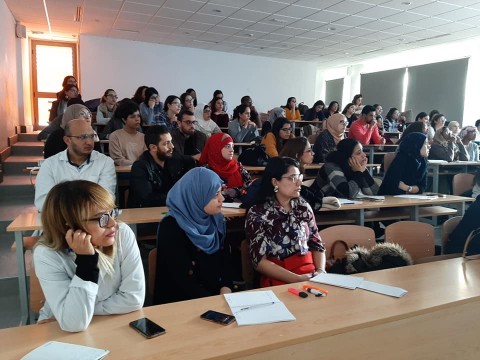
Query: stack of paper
[(55, 350), (418, 197), (257, 307)]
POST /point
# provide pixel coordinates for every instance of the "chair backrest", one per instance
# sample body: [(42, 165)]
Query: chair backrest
[(152, 268), (447, 228), (37, 298), (351, 234), (462, 182), (387, 160), (415, 237)]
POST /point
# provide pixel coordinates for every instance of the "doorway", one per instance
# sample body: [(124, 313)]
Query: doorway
[(51, 62)]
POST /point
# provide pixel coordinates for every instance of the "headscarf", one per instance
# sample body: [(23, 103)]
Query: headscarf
[(275, 113), (439, 139), (229, 170), (412, 144), (185, 202), (72, 112), (466, 130), (343, 153), (333, 123)]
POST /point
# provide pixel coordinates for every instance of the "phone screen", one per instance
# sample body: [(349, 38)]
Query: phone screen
[(218, 317), (147, 328)]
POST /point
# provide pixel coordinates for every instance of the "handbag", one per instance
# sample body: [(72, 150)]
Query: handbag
[(296, 263), (471, 236), (254, 156)]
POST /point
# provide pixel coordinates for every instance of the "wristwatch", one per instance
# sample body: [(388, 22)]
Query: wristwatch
[(409, 189)]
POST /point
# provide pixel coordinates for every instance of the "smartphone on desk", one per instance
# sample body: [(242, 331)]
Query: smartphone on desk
[(147, 328), (218, 317)]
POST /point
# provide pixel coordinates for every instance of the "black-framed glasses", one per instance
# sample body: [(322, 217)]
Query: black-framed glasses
[(85, 114), (188, 122), (286, 129), (294, 178), (104, 219), (113, 96), (84, 137)]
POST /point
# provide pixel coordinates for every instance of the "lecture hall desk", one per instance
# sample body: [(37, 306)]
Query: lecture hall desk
[(437, 319)]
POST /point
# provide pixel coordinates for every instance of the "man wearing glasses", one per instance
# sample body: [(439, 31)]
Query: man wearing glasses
[(78, 162), (185, 138)]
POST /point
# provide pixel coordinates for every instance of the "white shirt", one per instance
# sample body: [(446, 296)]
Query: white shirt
[(73, 301), (100, 169)]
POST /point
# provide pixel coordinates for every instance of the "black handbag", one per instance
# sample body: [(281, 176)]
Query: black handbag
[(254, 156)]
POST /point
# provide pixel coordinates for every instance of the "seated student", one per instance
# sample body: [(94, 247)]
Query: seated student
[(219, 93), (274, 140), (87, 263), (55, 142), (285, 246), (447, 147), (469, 222), (345, 173), (390, 121), (218, 156), (357, 101), (365, 129), (157, 169), (193, 259), (437, 121), (242, 129), (139, 96), (206, 125), (124, 108), (349, 112), (415, 127), (468, 135), (274, 114), (69, 91), (171, 109), (247, 100), (291, 111), (476, 186), (328, 139), (186, 139), (315, 112), (332, 109), (301, 150), (55, 123), (407, 173), (220, 117), (107, 107), (126, 145), (454, 127), (151, 107)]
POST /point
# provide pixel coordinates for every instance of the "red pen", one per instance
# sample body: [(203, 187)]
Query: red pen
[(297, 292)]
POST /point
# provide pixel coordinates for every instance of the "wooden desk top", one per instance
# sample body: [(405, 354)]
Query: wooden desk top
[(434, 289), (454, 163), (32, 220), (307, 167), (123, 169)]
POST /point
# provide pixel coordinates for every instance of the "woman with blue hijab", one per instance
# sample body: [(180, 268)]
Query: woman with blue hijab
[(192, 259), (408, 172)]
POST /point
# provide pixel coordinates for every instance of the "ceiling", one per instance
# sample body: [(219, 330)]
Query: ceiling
[(328, 32)]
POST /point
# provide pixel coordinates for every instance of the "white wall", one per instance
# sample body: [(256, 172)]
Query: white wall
[(124, 65), (9, 108), (427, 55)]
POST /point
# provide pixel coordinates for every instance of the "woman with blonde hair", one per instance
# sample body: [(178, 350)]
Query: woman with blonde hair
[(87, 263)]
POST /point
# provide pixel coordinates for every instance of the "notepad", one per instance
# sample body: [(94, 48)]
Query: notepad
[(345, 281), (382, 289), (54, 350), (257, 307)]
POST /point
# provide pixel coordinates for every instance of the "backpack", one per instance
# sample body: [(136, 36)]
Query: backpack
[(254, 156)]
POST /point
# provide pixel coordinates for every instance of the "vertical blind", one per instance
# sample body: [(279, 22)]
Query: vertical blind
[(438, 86), (384, 88), (334, 91)]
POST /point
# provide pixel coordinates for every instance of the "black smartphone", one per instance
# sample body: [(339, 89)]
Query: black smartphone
[(218, 317), (147, 328)]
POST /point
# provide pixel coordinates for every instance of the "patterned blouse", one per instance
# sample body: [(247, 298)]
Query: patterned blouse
[(274, 232)]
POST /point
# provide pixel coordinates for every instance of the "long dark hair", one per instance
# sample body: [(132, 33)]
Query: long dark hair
[(148, 94), (279, 123), (288, 102), (294, 148), (276, 168), (341, 156)]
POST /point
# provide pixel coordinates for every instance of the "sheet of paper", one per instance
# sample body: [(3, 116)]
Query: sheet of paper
[(371, 197), (382, 289), (54, 350), (419, 197), (345, 281), (258, 307), (234, 205), (348, 201), (437, 161)]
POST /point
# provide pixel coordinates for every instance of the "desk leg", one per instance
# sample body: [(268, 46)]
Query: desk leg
[(361, 217), (22, 279), (414, 213), (134, 228), (461, 209), (436, 171), (370, 159)]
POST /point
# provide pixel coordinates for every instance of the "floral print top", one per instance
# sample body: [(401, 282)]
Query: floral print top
[(274, 232)]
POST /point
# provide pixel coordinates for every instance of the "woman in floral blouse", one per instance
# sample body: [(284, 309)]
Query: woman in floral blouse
[(285, 245)]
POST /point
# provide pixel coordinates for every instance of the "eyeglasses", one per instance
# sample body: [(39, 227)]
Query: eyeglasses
[(176, 103), (294, 178), (343, 123), (84, 137), (85, 114), (207, 110), (113, 96), (286, 129), (104, 219), (188, 122)]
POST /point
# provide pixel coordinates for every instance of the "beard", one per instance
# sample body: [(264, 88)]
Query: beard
[(163, 155)]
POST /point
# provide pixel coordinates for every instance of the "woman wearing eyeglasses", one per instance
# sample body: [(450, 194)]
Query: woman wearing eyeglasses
[(345, 173), (168, 116), (328, 139), (151, 107), (193, 260), (87, 263), (285, 246), (206, 124), (217, 155), (280, 134), (107, 107)]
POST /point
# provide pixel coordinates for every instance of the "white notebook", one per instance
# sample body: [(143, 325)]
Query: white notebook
[(54, 350), (345, 281), (382, 289)]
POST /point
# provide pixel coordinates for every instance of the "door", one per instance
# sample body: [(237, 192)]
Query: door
[(51, 62)]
